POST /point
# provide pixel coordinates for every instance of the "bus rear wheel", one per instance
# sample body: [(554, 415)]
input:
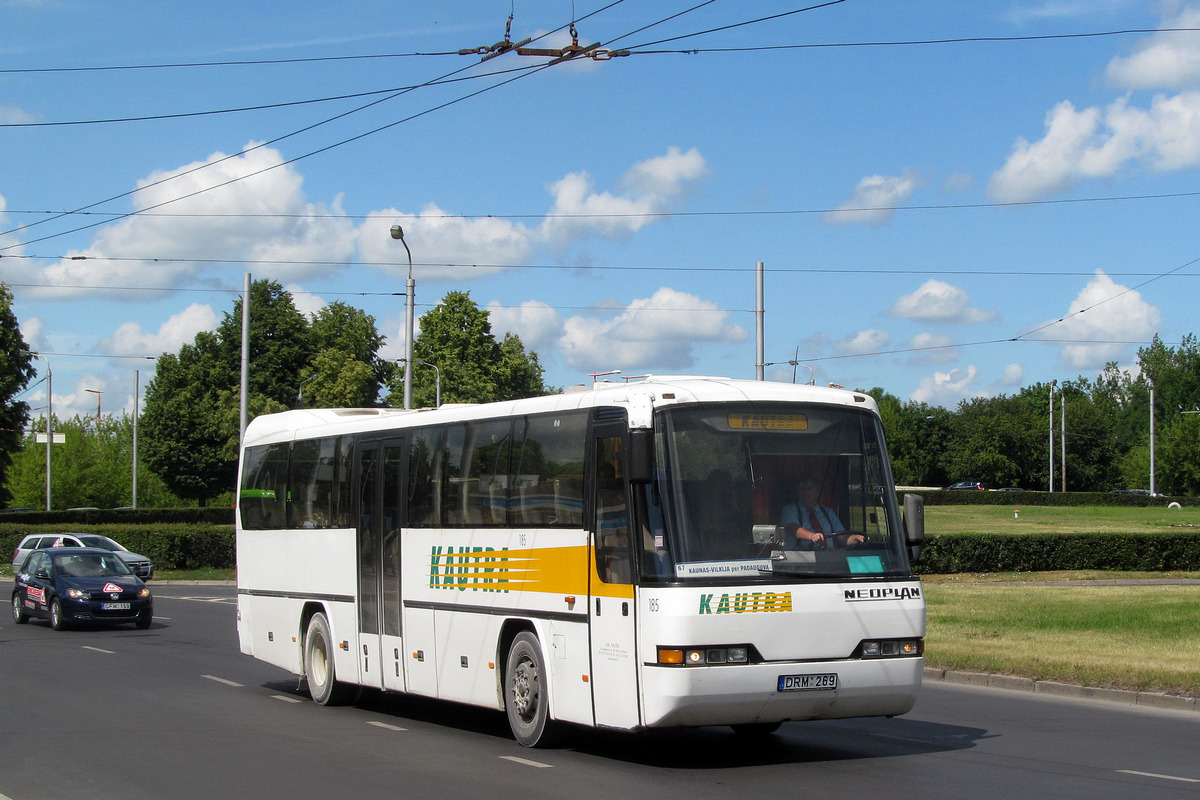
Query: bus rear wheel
[(526, 699), (323, 684)]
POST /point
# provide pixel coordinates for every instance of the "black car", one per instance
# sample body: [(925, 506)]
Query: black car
[(69, 584)]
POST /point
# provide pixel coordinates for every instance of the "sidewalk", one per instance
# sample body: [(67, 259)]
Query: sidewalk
[(1173, 702)]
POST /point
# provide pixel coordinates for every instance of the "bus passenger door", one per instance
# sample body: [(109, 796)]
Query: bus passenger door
[(611, 610), (380, 469)]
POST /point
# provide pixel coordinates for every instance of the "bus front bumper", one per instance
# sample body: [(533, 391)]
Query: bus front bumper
[(741, 694)]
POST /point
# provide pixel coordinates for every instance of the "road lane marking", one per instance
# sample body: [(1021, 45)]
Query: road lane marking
[(1158, 775), (378, 724), (287, 699), (527, 762), (99, 649), (222, 680)]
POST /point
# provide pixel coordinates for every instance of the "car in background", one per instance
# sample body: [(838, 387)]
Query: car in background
[(138, 564), (974, 485), (79, 584)]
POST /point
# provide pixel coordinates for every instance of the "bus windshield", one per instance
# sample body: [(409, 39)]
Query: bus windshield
[(780, 492)]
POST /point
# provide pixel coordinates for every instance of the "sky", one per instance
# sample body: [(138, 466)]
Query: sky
[(950, 200)]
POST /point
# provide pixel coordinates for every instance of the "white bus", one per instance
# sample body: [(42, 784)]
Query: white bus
[(619, 557)]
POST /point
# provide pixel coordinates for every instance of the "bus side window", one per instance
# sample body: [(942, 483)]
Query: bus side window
[(612, 514)]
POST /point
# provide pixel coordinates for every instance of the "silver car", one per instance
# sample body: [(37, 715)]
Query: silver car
[(138, 564)]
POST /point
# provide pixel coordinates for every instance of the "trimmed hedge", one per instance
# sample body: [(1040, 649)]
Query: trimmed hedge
[(960, 497), (1040, 552), (169, 546)]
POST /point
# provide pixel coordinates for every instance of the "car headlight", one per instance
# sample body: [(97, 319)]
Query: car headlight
[(144, 593), (78, 594)]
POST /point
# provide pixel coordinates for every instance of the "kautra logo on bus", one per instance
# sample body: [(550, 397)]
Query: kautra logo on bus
[(462, 568), (746, 603)]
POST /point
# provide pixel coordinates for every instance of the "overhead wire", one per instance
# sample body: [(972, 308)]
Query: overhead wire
[(309, 154)]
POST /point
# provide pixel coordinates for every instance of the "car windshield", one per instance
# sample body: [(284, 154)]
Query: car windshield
[(737, 488), (90, 565), (93, 540)]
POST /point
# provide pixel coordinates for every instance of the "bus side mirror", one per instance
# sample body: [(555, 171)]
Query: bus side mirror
[(640, 464), (914, 525)]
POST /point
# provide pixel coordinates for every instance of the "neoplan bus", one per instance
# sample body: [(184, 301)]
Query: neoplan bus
[(611, 557)]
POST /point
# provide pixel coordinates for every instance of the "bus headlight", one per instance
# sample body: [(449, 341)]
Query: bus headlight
[(890, 648), (702, 656)]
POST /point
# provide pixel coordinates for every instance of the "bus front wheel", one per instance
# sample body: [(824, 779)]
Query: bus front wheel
[(323, 685), (526, 699)]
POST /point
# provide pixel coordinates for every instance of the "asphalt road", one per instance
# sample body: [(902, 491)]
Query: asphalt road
[(177, 712)]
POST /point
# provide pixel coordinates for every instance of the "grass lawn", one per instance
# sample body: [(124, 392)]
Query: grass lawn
[(1055, 519), (1142, 636), (1129, 637)]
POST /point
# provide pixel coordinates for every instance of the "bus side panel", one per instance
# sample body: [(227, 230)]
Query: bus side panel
[(271, 564), (463, 586)]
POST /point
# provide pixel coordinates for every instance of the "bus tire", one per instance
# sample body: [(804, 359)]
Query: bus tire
[(526, 699), (323, 685)]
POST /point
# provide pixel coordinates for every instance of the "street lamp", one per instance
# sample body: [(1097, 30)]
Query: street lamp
[(49, 420), (410, 294), (96, 392), (437, 393), (1052, 385), (300, 391)]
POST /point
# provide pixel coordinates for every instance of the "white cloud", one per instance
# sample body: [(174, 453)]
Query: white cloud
[(11, 115), (947, 388), (129, 339), (248, 207), (938, 301), (306, 302), (1013, 375), (1164, 59), (538, 324), (654, 185), (1114, 314), (443, 246), (935, 348), (874, 200), (1096, 143), (454, 248), (658, 332), (862, 343)]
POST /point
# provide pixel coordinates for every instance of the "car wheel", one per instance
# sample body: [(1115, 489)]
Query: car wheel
[(319, 669), (526, 698), (19, 615), (58, 620), (144, 619)]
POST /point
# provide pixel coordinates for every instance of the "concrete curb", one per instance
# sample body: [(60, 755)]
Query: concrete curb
[(1173, 702)]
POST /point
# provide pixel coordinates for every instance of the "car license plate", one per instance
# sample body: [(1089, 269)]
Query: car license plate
[(808, 683), (115, 606)]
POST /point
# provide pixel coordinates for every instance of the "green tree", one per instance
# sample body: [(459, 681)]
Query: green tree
[(346, 370), (16, 370), (456, 336), (92, 467), (186, 433), (280, 342)]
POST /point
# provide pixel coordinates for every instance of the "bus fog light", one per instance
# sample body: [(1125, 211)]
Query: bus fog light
[(889, 648), (716, 655), (694, 656), (668, 655), (910, 648)]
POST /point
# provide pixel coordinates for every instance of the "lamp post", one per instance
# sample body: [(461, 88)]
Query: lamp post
[(437, 392), (300, 390), (1052, 385), (96, 392), (409, 299), (49, 420)]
